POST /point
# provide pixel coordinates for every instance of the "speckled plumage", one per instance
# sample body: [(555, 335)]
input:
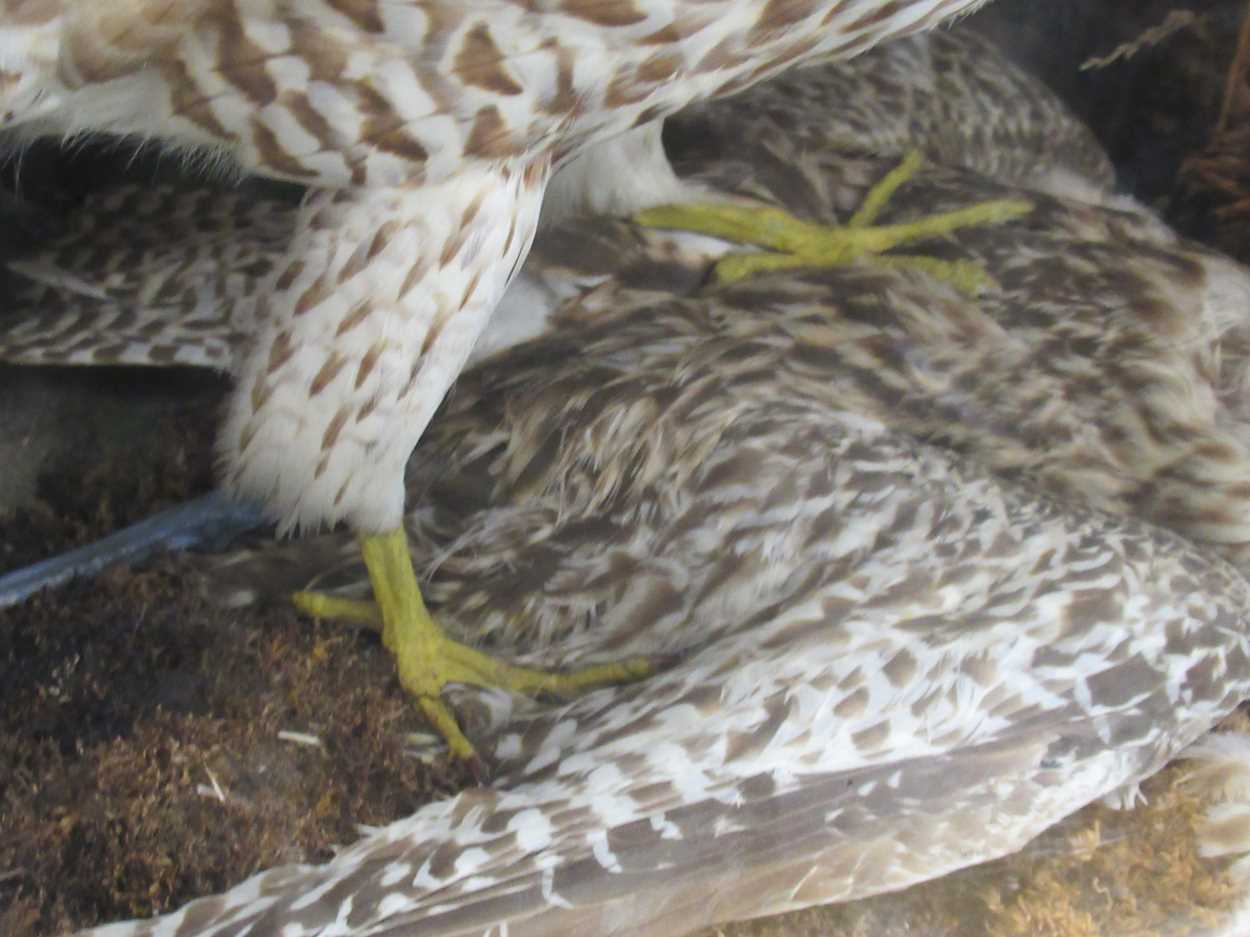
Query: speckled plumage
[(183, 277), (894, 665), (895, 534), (428, 130)]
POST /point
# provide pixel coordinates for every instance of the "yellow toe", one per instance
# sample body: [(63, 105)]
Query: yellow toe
[(790, 243), (427, 659)]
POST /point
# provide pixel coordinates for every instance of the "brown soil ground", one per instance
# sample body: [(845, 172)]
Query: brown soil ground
[(139, 741), (140, 757)]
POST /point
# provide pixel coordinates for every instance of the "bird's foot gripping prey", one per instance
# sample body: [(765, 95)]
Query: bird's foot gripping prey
[(792, 243), (425, 132), (428, 659)]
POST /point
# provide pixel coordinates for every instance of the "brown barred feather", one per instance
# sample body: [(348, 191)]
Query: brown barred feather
[(911, 549)]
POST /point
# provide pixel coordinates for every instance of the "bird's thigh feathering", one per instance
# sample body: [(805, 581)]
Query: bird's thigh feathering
[(365, 326)]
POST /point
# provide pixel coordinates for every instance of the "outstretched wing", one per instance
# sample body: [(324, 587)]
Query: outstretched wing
[(893, 664)]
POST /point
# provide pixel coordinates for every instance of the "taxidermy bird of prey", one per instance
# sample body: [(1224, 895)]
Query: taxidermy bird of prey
[(890, 532), (427, 131)]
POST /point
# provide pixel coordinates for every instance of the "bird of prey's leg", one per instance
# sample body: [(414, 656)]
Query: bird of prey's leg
[(428, 659), (795, 244)]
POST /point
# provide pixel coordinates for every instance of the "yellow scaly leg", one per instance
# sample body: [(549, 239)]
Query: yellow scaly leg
[(427, 659)]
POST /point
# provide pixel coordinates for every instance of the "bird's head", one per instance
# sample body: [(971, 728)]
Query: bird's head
[(30, 48)]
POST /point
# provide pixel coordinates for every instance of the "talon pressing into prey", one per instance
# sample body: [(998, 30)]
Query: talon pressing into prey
[(794, 244), (428, 659), (426, 133)]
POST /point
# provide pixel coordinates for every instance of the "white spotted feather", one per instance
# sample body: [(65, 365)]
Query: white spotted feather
[(910, 551), (439, 120)]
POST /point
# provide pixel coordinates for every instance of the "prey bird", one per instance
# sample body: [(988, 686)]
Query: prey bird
[(427, 132)]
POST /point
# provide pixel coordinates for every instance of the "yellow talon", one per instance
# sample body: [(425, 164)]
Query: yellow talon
[(427, 659), (357, 611), (794, 244), (884, 190)]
